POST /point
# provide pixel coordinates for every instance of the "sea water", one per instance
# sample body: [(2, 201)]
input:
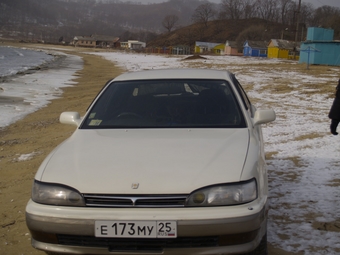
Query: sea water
[(30, 79), (16, 60)]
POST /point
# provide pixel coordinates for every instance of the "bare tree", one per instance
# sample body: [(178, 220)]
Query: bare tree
[(249, 10), (286, 7), (322, 15), (169, 22), (307, 12), (231, 9), (237, 9), (203, 13), (268, 9)]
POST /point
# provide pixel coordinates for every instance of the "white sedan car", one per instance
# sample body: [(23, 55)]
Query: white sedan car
[(163, 162)]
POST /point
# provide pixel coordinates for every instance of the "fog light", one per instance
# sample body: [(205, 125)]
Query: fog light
[(44, 237), (199, 198)]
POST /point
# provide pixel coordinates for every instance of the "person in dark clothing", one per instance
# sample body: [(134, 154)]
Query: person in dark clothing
[(334, 113)]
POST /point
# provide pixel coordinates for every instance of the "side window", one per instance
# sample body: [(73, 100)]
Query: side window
[(244, 96)]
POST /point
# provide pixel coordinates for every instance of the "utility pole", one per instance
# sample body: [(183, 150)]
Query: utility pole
[(297, 21), (297, 27)]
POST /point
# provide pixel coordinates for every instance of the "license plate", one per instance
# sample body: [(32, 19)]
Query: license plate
[(136, 229)]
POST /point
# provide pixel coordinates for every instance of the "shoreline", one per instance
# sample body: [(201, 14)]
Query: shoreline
[(11, 100), (27, 91), (37, 134), (55, 63), (52, 64)]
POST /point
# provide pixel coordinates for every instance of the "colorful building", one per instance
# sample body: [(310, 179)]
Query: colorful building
[(206, 47), (233, 49), (320, 48), (278, 48), (255, 48)]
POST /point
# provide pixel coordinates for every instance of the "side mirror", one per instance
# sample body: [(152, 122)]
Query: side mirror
[(72, 118), (264, 116)]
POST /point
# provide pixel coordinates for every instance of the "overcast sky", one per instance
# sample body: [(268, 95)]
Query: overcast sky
[(316, 3)]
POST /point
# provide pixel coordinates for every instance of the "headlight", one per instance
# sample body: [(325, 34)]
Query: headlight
[(55, 194), (224, 194)]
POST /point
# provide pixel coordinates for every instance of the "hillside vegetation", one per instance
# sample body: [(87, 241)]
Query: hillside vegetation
[(169, 23), (219, 31)]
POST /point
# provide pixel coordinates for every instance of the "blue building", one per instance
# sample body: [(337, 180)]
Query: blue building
[(320, 48), (255, 48)]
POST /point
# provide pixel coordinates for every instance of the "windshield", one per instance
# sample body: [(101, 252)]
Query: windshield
[(166, 104)]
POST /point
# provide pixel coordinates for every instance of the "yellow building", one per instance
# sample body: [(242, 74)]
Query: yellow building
[(278, 48), (219, 49), (206, 47)]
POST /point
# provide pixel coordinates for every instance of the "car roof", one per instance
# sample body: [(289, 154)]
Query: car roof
[(175, 74)]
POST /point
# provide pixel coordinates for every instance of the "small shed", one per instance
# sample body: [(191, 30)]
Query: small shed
[(99, 41), (255, 48), (171, 50), (207, 47), (84, 41), (233, 49), (103, 41), (133, 44), (180, 50), (278, 48), (219, 49), (320, 48)]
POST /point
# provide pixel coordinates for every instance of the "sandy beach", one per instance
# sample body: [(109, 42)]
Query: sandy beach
[(38, 133)]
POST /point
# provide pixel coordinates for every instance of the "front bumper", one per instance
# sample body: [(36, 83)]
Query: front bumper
[(214, 230)]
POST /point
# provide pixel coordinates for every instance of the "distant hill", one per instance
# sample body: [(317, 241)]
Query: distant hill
[(61, 20), (51, 20), (219, 31)]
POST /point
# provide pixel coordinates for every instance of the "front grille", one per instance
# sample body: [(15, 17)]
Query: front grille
[(94, 200), (121, 244)]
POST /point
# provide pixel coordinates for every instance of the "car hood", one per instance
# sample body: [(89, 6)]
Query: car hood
[(159, 161)]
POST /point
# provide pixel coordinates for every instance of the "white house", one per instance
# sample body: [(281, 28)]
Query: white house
[(133, 45)]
